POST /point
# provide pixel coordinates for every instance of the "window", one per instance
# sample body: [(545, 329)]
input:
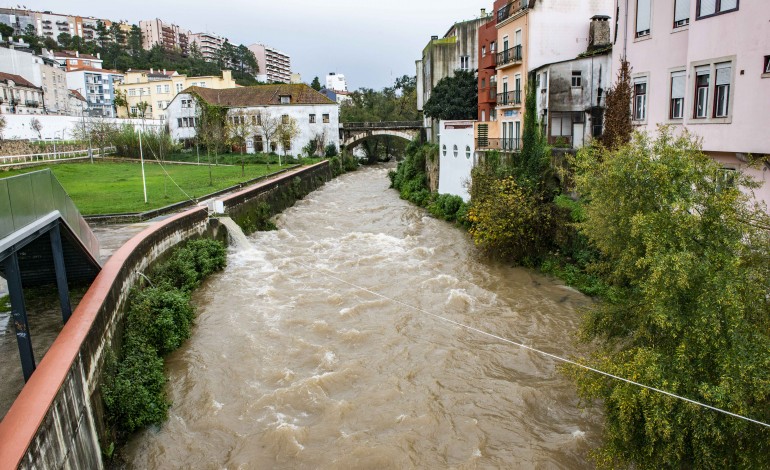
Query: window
[(443, 150), (179, 122), (544, 82), (767, 64), (492, 47), (640, 99), (577, 79), (465, 62), (285, 99), (722, 90), (285, 119), (326, 118), (158, 89), (468, 152), (203, 85), (179, 87), (642, 18), (132, 92), (166, 88), (681, 13), (456, 151), (678, 81), (134, 110), (713, 7), (483, 51), (312, 119), (702, 75), (483, 115)]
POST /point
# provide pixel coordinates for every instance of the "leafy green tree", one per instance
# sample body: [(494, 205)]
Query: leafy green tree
[(686, 250), (64, 40), (102, 34), (316, 84), (117, 35), (617, 117), (135, 41), (454, 97), (30, 37), (6, 31), (533, 164)]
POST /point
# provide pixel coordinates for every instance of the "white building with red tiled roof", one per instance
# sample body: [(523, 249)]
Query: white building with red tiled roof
[(19, 96)]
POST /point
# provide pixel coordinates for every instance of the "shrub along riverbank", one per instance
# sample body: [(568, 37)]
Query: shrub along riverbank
[(676, 250), (158, 320)]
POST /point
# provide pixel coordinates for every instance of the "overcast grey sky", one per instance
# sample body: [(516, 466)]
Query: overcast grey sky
[(371, 42)]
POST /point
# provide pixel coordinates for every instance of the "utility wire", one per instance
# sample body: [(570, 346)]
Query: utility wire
[(331, 275)]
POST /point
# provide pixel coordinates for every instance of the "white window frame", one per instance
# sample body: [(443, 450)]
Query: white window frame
[(579, 77), (636, 104), (681, 13), (640, 32), (679, 74)]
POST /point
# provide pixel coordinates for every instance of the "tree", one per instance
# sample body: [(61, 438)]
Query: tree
[(117, 35), (6, 31), (268, 126), (532, 166), (617, 117), (686, 250), (3, 124), (102, 34), (64, 40), (142, 107), (287, 131), (135, 41), (454, 97), (120, 100), (316, 84), (30, 37), (36, 126)]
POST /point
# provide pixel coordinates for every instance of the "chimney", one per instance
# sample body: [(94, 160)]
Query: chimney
[(77, 53), (98, 55), (483, 12), (599, 32), (434, 38), (151, 71), (164, 71)]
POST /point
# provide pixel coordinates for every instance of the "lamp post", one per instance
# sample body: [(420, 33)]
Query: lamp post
[(85, 130), (141, 150)]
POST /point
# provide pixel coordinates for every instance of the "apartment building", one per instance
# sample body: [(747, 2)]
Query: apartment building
[(530, 34), (158, 88), (70, 60), (41, 72), (336, 82), (208, 45), (97, 86), (19, 96), (50, 25), (274, 65), (703, 66), (456, 50), (168, 36)]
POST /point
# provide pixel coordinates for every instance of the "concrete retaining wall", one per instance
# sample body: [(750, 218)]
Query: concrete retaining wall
[(57, 419)]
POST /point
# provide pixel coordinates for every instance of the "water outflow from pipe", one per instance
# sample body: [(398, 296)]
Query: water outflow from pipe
[(288, 368)]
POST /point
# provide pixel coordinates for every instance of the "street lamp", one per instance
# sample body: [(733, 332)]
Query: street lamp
[(141, 150), (85, 131)]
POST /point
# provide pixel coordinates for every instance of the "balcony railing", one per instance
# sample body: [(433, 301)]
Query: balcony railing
[(488, 94), (511, 98), (32, 103), (509, 144), (509, 56), (510, 9)]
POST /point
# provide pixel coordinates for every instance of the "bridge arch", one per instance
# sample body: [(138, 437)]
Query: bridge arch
[(352, 134)]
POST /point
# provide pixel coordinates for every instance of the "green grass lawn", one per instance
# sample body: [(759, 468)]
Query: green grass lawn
[(108, 188)]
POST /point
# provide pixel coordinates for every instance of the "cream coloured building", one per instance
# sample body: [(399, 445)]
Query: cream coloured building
[(158, 88)]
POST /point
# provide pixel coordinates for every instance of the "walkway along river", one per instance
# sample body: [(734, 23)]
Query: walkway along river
[(290, 368)]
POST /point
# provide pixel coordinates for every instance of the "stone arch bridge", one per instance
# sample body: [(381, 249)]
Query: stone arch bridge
[(352, 133)]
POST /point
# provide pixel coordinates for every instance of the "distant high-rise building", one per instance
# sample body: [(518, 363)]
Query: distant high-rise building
[(51, 25), (208, 44), (336, 82), (168, 36), (274, 65)]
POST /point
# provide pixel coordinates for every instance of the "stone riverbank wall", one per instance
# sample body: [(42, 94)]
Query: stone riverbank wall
[(57, 421)]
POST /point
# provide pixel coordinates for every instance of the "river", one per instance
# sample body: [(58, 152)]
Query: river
[(289, 367)]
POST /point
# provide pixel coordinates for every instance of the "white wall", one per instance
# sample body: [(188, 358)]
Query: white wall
[(59, 127), (455, 171)]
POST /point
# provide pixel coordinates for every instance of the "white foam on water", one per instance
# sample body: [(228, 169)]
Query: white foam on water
[(579, 434)]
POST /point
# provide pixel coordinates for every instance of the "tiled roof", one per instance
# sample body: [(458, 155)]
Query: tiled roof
[(77, 95), (72, 55), (21, 81), (260, 95), (93, 69)]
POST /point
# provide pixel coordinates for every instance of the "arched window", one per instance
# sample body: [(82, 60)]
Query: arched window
[(457, 152), (444, 150), (468, 152)]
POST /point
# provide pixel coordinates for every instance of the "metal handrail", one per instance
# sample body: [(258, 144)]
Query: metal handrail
[(509, 144), (510, 56), (511, 98), (382, 125), (52, 156)]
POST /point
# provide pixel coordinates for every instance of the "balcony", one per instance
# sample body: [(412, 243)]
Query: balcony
[(488, 61), (510, 144), (510, 56), (32, 103), (511, 9), (511, 98)]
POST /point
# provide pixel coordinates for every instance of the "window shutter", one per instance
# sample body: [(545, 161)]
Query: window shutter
[(702, 70), (682, 10), (707, 7), (643, 15), (677, 85), (723, 73)]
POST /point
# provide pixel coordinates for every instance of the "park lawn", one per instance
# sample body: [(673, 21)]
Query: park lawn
[(111, 188)]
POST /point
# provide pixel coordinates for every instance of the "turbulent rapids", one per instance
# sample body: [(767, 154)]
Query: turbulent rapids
[(290, 368)]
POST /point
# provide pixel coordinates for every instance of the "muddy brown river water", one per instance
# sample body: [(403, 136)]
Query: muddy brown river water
[(290, 368)]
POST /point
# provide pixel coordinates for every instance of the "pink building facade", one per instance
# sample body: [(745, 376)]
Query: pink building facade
[(704, 66)]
